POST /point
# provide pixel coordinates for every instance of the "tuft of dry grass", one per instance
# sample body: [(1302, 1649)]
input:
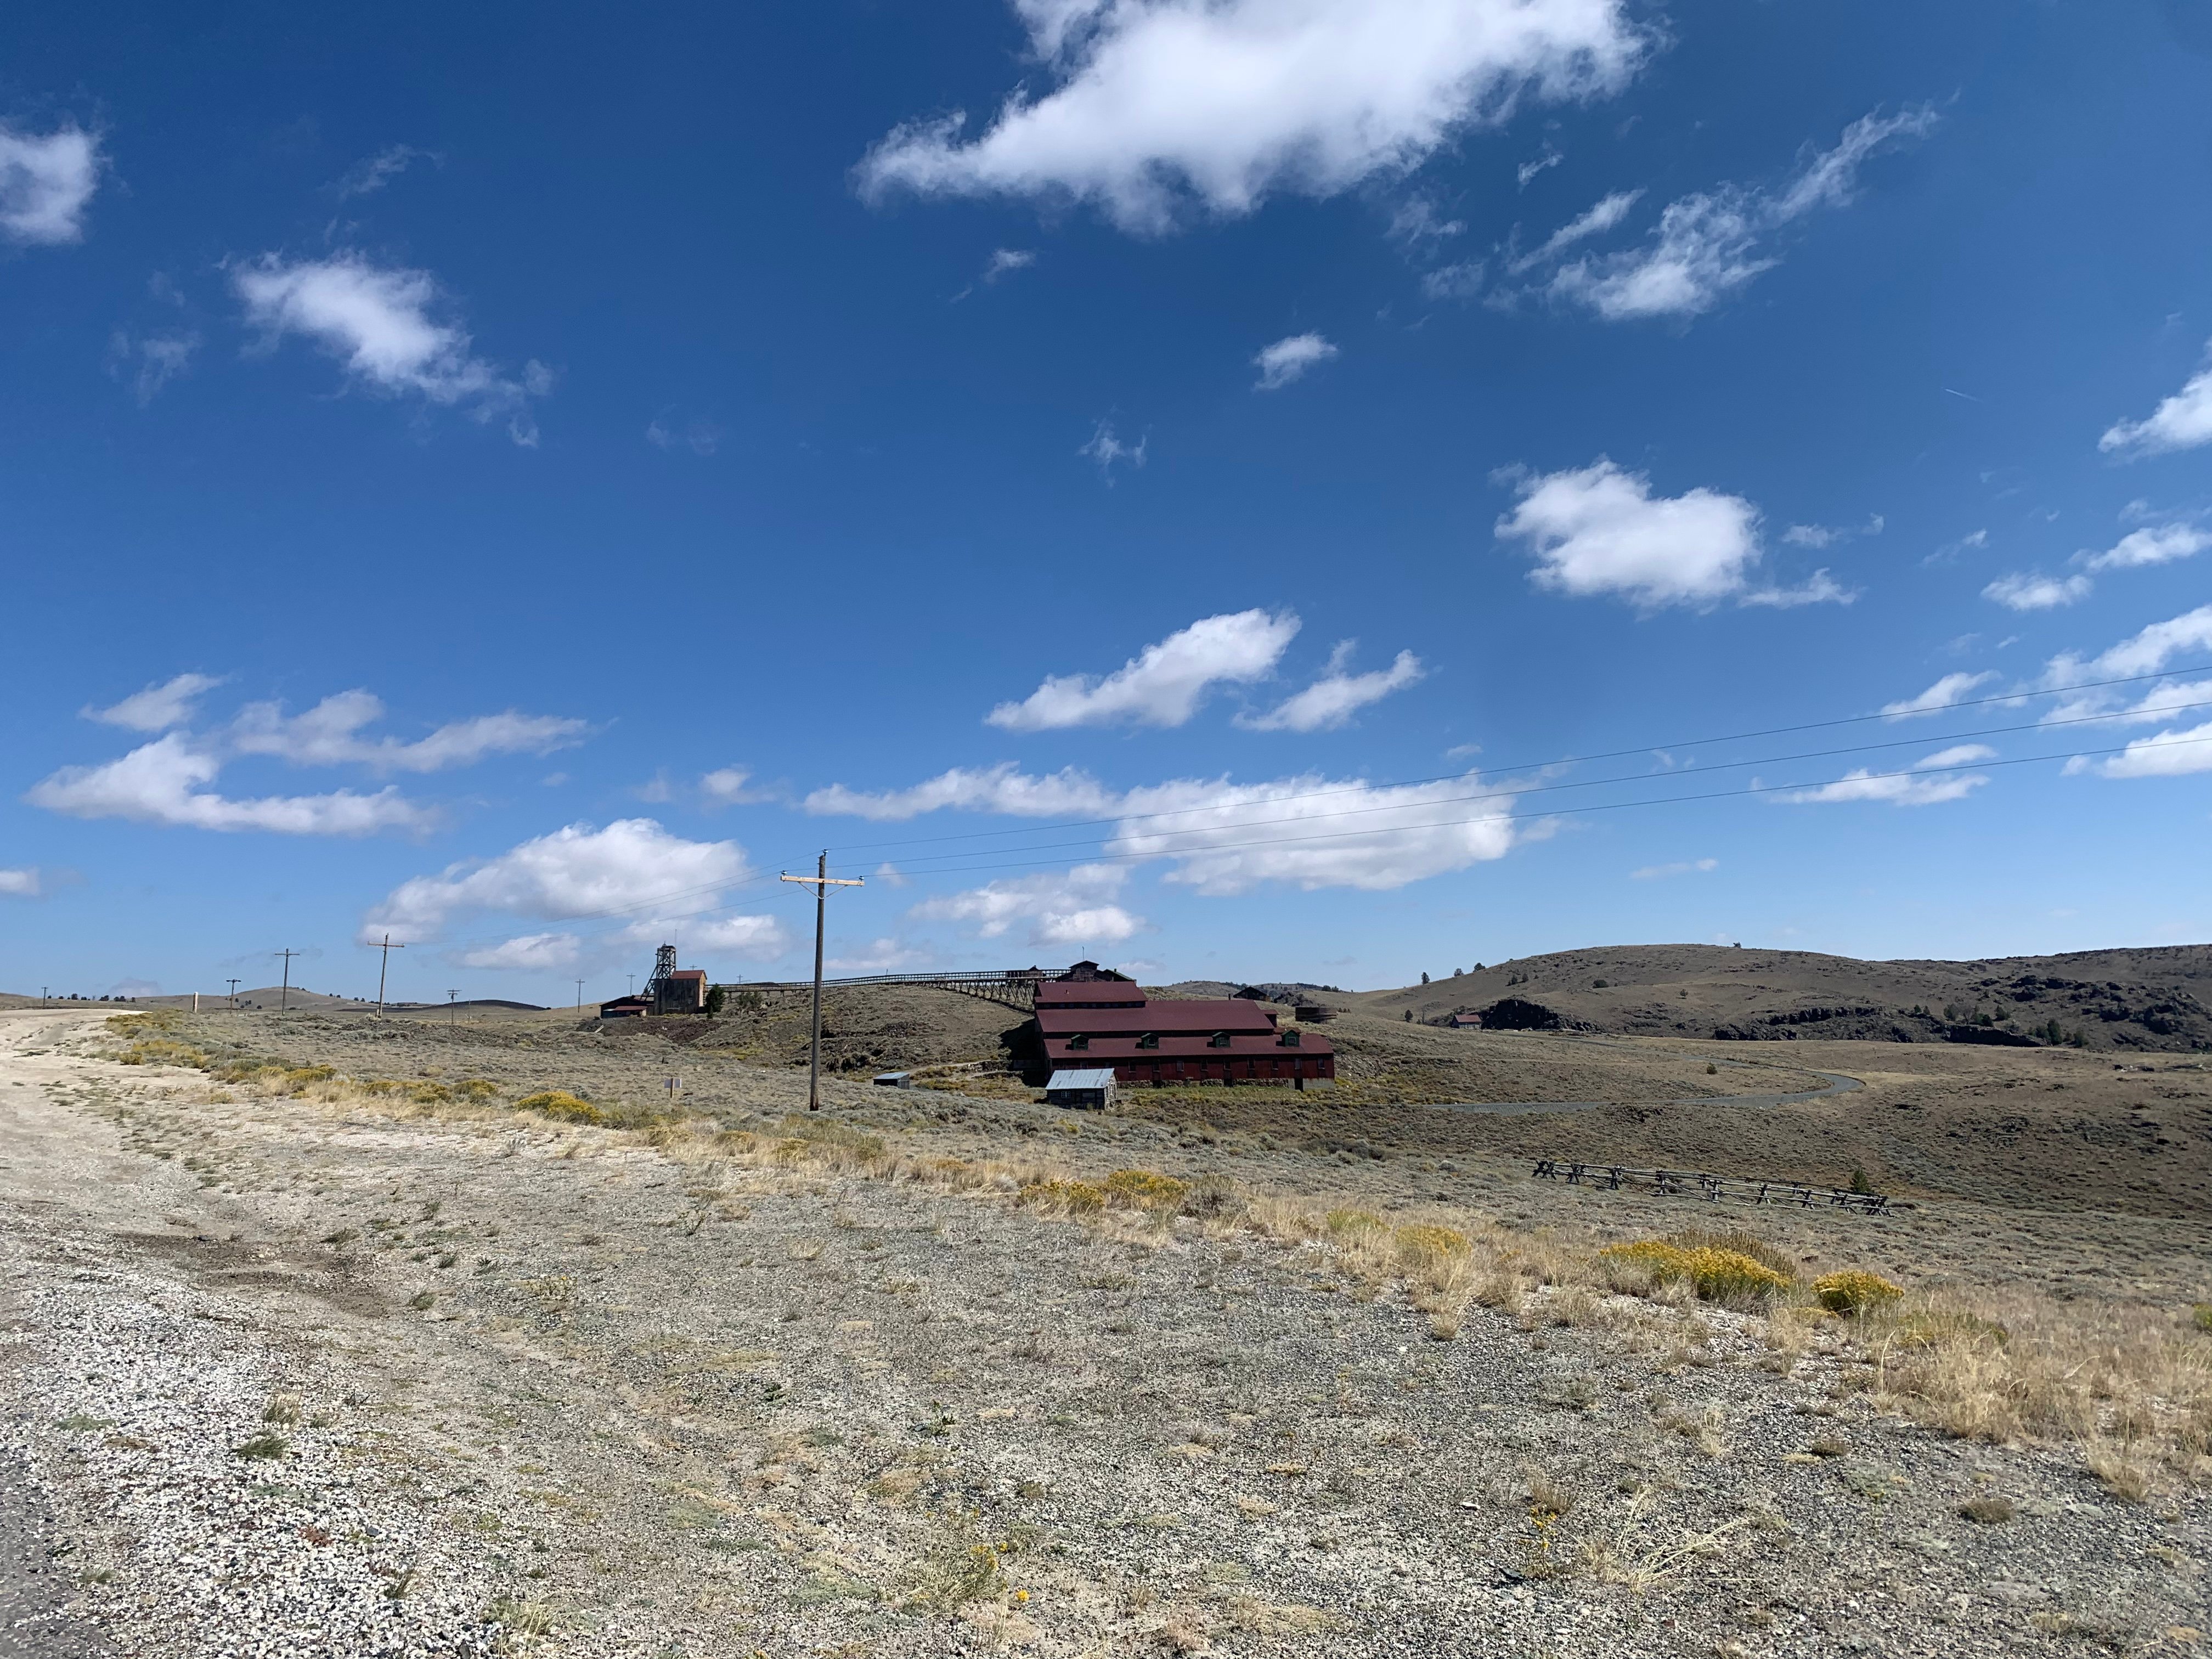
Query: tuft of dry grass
[(1726, 1276), (1145, 1189), (1853, 1291)]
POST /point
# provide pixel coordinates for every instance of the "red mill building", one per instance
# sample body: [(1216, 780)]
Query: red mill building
[(1089, 1019)]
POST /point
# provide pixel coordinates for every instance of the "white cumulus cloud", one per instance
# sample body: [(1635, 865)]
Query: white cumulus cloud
[(1155, 104), (2153, 544), (1313, 832), (2181, 421), (1949, 690), (1600, 530), (1934, 779), (1163, 684), (2166, 754), (663, 883), (2028, 590), (1338, 696), (1073, 909), (165, 782), (2145, 651), (1288, 359), (527, 950), (46, 182), (379, 321), (158, 706), (21, 882), (1707, 246)]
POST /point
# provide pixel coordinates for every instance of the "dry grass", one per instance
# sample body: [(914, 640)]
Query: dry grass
[(2131, 1386)]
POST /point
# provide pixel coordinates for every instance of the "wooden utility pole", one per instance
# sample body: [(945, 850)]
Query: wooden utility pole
[(454, 1018), (284, 996), (233, 993), (387, 947), (821, 881), (579, 996)]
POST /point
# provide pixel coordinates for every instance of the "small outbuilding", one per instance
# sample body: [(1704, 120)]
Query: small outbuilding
[(625, 1008), (1092, 1088)]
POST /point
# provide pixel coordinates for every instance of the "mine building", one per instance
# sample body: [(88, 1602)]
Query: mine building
[(632, 1007), (1092, 1018)]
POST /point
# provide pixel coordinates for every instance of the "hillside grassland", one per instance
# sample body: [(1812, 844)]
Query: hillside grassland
[(514, 1333)]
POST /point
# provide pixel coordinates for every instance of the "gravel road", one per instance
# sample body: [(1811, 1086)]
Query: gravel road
[(295, 1377)]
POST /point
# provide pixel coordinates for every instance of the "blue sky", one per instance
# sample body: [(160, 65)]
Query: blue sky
[(1189, 483)]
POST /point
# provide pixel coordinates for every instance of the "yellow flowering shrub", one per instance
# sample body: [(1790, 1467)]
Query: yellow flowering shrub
[(1145, 1189), (1853, 1291)]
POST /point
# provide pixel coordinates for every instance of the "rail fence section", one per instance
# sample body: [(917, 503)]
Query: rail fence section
[(1713, 1188)]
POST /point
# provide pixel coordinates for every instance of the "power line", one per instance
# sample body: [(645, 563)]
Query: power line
[(1516, 791), (1500, 818), (1611, 754)]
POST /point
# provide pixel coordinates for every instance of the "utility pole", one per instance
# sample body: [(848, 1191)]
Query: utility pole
[(284, 996), (234, 994), (579, 996), (821, 881), (455, 1019), (387, 947)]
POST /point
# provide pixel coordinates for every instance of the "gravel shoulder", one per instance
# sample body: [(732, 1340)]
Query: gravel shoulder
[(536, 1386)]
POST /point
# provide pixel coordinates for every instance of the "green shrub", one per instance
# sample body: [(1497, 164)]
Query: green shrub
[(1343, 1223), (1853, 1291)]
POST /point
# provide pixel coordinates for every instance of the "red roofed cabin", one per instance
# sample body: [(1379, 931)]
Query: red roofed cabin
[(1092, 1017)]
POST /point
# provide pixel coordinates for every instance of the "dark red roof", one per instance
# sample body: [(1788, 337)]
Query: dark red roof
[(1060, 993), (1224, 1015)]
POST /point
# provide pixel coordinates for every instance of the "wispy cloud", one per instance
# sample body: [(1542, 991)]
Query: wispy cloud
[(1004, 789), (47, 183), (373, 174), (158, 706), (1665, 872), (1107, 449), (21, 882), (1288, 360), (1609, 211), (1164, 684), (1708, 245), (1946, 693), (379, 323), (1334, 698), (1930, 781), (1158, 107), (329, 734)]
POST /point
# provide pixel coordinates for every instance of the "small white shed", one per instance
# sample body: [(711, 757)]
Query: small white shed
[(1093, 1087)]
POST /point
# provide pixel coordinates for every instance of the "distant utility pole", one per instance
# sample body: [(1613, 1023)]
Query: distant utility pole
[(387, 947), (821, 881), (284, 996), (455, 1006), (233, 993), (579, 996)]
